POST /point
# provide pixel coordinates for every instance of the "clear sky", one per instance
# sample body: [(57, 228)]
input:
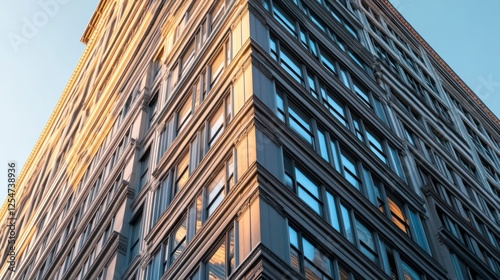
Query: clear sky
[(40, 46)]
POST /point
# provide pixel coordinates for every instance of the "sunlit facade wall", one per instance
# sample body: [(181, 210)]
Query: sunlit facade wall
[(261, 139)]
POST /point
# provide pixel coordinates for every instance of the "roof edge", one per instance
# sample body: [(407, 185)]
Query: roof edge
[(94, 20)]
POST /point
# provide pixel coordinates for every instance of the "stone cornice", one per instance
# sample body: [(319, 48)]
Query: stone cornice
[(92, 25)]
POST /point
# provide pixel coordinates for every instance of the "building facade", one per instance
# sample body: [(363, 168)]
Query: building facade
[(259, 139)]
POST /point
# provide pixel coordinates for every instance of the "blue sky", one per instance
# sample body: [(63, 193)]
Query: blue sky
[(40, 46)]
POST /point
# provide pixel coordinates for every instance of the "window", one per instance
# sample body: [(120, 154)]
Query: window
[(327, 61), (165, 139), (418, 231), (188, 56), (397, 214), (144, 171), (222, 263), (161, 198), (375, 145), (307, 259), (408, 272), (216, 67), (294, 117), (152, 108), (182, 24), (156, 65), (379, 146), (366, 241), (335, 107), (284, 19), (184, 115), (348, 26), (302, 185), (153, 268), (289, 63), (182, 174), (410, 136), (135, 236), (215, 193), (216, 14), (179, 241), (216, 126), (350, 171), (174, 77)]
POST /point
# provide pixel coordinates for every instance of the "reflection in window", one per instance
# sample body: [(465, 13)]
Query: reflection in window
[(289, 63), (182, 174), (222, 263), (302, 185), (179, 241), (308, 259)]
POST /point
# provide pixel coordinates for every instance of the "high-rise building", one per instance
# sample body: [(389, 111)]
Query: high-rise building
[(259, 139)]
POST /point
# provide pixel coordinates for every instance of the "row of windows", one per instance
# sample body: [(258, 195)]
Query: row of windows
[(206, 202), (438, 160), (312, 131), (200, 145), (470, 242), (460, 207), (354, 32), (199, 211), (93, 192), (318, 197), (299, 31), (219, 265), (196, 93), (317, 87), (311, 262), (463, 269), (471, 121)]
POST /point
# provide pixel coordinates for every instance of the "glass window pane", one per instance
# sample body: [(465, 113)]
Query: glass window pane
[(327, 62), (397, 214), (350, 172), (216, 126), (322, 145), (376, 147), (300, 122), (334, 220), (346, 222), (284, 19), (179, 241), (216, 266), (366, 241), (308, 199), (280, 106), (293, 237), (315, 256), (216, 67), (305, 182), (420, 236), (409, 273), (215, 192), (291, 66)]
